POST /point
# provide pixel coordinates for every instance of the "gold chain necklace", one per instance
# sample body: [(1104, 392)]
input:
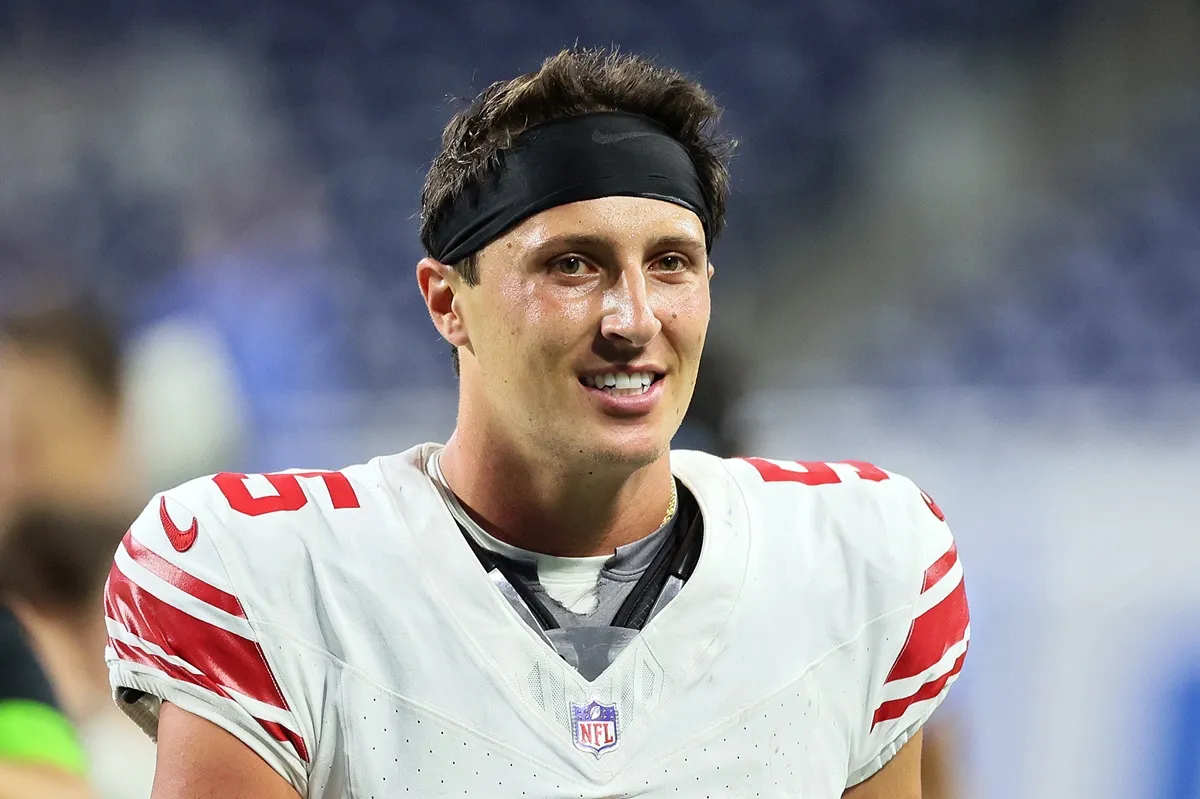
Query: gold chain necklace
[(674, 502)]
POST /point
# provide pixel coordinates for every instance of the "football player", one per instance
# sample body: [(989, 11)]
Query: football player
[(552, 603)]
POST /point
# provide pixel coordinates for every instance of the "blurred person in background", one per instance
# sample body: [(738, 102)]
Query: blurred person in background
[(52, 569), (65, 479), (40, 755), (62, 439)]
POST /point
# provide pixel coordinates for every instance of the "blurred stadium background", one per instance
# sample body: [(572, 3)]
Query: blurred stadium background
[(964, 243)]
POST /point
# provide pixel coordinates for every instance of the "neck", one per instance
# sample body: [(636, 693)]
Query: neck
[(68, 650), (555, 508)]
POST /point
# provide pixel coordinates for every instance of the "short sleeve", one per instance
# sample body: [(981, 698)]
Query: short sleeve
[(177, 632), (913, 656)]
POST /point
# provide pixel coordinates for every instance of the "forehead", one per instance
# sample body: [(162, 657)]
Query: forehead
[(627, 221)]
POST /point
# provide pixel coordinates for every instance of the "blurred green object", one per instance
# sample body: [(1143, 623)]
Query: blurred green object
[(31, 732)]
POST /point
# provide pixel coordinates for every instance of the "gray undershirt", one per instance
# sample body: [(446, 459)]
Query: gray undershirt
[(616, 580)]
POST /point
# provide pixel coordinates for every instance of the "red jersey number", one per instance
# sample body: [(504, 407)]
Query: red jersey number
[(288, 493), (812, 473)]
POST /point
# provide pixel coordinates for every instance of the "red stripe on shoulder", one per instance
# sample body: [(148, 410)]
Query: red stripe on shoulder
[(133, 654), (896, 708), (939, 568), (162, 568), (283, 734), (143, 658), (932, 634), (229, 659)]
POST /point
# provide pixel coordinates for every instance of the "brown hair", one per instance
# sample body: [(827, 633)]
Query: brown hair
[(571, 83), (77, 332), (56, 561)]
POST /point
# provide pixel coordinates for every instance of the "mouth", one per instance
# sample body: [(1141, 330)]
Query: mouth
[(622, 384)]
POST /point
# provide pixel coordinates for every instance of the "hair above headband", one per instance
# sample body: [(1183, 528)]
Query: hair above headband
[(585, 157)]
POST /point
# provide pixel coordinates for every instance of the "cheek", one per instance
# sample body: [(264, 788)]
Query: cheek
[(687, 322), (534, 327), (554, 321), (508, 313)]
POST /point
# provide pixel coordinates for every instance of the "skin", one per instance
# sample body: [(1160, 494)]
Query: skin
[(20, 781), (60, 442), (593, 286), (199, 760), (940, 778)]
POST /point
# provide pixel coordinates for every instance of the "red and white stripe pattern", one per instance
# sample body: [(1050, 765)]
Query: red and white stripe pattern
[(162, 617), (936, 646)]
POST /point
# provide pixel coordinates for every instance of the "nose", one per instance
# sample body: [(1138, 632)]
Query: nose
[(629, 315)]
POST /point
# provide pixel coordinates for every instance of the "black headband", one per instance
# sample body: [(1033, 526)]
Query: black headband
[(606, 154)]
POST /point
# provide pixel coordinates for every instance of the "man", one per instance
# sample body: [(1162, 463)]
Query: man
[(553, 603), (39, 753), (53, 564)]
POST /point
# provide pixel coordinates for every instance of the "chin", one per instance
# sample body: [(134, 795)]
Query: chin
[(631, 451)]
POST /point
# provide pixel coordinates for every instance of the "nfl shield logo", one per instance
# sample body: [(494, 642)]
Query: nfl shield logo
[(595, 726)]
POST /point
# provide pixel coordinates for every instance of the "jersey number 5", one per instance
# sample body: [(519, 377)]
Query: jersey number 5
[(288, 493)]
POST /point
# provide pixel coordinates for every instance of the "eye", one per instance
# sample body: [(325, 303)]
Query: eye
[(570, 265), (671, 263)]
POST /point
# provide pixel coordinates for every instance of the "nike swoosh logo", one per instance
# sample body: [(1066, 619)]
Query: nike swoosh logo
[(933, 506), (182, 540), (610, 138)]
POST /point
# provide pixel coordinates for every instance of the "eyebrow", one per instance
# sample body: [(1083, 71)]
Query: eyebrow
[(587, 241), (676, 242)]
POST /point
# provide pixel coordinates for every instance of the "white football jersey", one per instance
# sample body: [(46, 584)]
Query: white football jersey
[(339, 624)]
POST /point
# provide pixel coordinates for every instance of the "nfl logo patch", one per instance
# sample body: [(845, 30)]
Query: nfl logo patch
[(595, 727)]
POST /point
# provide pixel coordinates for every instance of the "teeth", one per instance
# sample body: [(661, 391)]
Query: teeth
[(621, 383)]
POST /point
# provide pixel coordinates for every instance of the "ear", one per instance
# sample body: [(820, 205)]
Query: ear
[(711, 269), (440, 286)]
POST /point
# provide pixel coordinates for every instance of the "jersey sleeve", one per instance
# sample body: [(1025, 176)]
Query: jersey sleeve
[(177, 632), (915, 653)]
